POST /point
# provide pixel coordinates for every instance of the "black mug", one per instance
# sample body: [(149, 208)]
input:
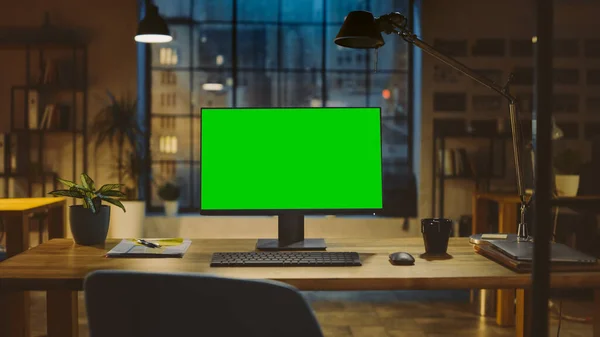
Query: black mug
[(436, 233)]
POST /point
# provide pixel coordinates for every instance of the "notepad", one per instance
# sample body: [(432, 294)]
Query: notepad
[(172, 247)]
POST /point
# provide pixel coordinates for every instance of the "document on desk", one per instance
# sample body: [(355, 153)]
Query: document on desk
[(173, 247)]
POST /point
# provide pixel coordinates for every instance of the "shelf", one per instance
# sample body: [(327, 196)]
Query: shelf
[(458, 177), (49, 87), (40, 131), (26, 175), (470, 135), (579, 201)]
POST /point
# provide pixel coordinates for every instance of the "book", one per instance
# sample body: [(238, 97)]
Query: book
[(170, 247), (32, 109)]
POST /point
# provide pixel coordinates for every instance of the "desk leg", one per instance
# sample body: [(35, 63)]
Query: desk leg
[(56, 222), (480, 208), (505, 307), (596, 315), (14, 306), (14, 314), (62, 311), (523, 322)]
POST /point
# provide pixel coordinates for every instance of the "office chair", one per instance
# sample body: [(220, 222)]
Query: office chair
[(124, 303)]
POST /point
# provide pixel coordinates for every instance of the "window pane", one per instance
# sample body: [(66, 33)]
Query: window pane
[(257, 89), (170, 139), (174, 8), (212, 89), (170, 171), (175, 53), (196, 125), (300, 89), (338, 9), (302, 47), (389, 91), (211, 10), (257, 10), (212, 48), (257, 46), (170, 92), (302, 11), (394, 57), (346, 89)]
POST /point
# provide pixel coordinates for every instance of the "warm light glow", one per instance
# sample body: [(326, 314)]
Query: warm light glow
[(229, 81), (534, 39), (153, 38), (386, 93), (220, 60), (173, 144), (161, 144), (212, 86)]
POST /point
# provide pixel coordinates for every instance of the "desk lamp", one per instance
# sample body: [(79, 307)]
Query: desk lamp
[(363, 31)]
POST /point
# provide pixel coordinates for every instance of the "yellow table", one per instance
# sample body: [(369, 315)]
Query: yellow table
[(15, 212)]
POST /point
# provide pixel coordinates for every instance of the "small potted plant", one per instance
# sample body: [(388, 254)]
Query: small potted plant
[(567, 165), (169, 193), (90, 221)]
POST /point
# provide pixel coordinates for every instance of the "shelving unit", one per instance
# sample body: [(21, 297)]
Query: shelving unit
[(440, 138), (55, 85)]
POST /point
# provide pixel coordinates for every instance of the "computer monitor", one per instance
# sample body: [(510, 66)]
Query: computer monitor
[(290, 162)]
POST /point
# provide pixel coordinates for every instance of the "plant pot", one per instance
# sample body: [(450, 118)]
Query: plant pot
[(171, 207), (89, 228), (567, 185), (130, 224)]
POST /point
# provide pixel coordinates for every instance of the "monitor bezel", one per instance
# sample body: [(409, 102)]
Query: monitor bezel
[(293, 211)]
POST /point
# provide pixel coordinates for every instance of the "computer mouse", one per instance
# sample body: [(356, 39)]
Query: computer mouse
[(401, 258)]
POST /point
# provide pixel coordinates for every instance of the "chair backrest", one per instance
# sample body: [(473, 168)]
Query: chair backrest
[(124, 303)]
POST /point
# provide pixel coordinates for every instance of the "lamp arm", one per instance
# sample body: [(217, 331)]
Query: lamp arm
[(396, 23)]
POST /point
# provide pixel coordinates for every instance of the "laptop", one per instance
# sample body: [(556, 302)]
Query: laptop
[(559, 253)]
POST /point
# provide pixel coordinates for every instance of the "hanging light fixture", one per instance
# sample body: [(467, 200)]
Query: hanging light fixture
[(153, 28)]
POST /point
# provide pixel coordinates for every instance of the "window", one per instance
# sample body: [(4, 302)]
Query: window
[(276, 53)]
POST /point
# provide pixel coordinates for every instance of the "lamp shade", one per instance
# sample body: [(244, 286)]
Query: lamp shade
[(153, 28), (360, 30)]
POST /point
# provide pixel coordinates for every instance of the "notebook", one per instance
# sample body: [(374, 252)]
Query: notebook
[(172, 247)]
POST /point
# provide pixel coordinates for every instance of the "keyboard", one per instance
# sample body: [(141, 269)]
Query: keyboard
[(285, 259)]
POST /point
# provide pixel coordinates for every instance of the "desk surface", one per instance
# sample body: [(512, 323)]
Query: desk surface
[(27, 204), (60, 264), (514, 198)]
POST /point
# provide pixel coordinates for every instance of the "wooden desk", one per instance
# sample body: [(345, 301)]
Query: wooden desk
[(59, 267), (508, 206), (15, 212)]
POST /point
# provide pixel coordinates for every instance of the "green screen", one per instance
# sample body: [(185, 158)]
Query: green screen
[(291, 158)]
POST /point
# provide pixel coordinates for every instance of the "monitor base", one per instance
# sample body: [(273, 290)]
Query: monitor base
[(306, 244)]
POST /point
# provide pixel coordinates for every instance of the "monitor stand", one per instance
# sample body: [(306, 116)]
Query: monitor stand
[(291, 236)]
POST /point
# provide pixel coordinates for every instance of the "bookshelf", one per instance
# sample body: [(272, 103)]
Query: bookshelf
[(48, 110)]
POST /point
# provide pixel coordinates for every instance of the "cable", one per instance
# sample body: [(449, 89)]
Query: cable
[(559, 318)]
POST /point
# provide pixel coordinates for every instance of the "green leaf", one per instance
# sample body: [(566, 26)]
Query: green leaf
[(74, 193), (70, 184), (117, 194), (88, 183), (114, 202), (87, 200), (109, 187), (66, 182)]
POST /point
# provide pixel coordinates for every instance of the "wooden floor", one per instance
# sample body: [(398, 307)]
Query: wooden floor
[(385, 314)]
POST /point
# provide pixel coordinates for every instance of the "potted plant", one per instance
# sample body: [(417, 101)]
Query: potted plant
[(90, 221), (117, 124), (567, 165), (169, 193)]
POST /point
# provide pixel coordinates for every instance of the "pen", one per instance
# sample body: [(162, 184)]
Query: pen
[(148, 243)]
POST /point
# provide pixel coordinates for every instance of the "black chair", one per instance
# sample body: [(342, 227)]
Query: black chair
[(124, 303)]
